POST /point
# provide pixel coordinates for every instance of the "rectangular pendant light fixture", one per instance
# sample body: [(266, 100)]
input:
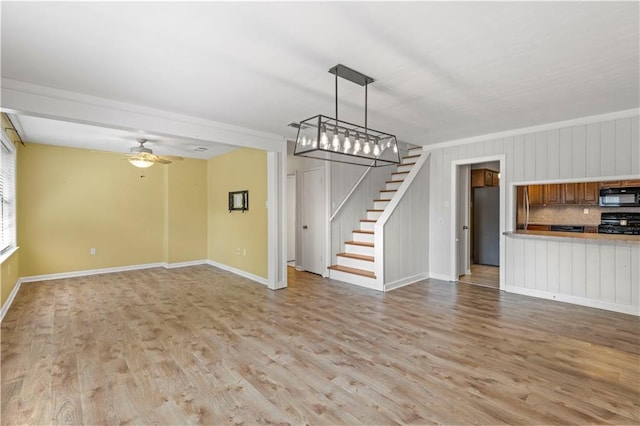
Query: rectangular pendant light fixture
[(331, 139)]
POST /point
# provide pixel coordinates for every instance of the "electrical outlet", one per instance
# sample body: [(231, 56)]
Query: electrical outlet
[(586, 211), (92, 251)]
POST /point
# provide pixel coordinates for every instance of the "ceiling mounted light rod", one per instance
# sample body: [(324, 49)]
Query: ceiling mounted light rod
[(369, 148)]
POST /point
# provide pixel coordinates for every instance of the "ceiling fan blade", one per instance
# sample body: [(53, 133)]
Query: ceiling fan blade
[(161, 160), (172, 157)]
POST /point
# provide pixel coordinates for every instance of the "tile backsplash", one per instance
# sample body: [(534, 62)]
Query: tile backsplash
[(572, 215)]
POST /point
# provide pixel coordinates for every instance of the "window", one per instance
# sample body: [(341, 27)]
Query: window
[(8, 195)]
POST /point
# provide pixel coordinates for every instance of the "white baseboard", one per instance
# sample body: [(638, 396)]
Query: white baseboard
[(405, 281), (240, 272), (73, 274), (437, 276), (583, 301), (9, 301), (185, 264)]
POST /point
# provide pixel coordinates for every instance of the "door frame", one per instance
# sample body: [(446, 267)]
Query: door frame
[(293, 175), (454, 213)]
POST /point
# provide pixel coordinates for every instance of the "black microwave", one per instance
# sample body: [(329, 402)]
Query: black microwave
[(620, 197)]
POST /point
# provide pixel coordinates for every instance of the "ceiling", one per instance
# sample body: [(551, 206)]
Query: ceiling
[(443, 70)]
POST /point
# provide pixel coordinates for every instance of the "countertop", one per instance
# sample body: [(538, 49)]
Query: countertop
[(575, 235)]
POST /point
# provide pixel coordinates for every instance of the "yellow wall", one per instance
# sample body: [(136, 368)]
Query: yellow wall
[(238, 170), (186, 227), (70, 200)]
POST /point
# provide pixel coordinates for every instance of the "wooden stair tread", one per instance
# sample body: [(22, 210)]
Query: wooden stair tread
[(388, 190), (399, 173), (356, 256), (375, 210), (394, 181), (368, 220), (354, 271), (411, 156), (381, 199), (363, 232), (359, 243)]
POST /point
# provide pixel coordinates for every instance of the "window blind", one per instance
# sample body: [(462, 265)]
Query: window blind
[(7, 193)]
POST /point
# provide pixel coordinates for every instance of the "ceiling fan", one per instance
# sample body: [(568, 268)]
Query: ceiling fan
[(143, 157)]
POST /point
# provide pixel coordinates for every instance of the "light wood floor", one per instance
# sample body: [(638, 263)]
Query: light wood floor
[(485, 275), (199, 345)]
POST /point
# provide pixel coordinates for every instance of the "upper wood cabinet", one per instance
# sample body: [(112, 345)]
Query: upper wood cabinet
[(583, 193), (536, 196), (483, 177), (619, 183), (553, 193)]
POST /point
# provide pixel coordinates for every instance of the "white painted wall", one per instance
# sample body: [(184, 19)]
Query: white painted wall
[(406, 235), (593, 148)]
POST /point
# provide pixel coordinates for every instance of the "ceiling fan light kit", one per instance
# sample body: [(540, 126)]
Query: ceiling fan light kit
[(143, 157), (332, 139)]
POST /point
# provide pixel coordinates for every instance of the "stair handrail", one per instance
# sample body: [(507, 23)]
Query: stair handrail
[(346, 197), (386, 214)]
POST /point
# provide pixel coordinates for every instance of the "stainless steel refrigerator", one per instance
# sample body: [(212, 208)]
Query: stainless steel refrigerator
[(486, 225)]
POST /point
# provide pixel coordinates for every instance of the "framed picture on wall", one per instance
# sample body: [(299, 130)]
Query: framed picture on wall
[(239, 200)]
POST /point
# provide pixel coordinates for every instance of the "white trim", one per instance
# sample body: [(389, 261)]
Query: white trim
[(539, 128), (25, 98), (406, 281), (346, 198), (599, 304), (185, 264), (73, 274), (276, 220), (240, 272), (9, 301), (437, 276), (6, 255), (327, 214), (454, 214)]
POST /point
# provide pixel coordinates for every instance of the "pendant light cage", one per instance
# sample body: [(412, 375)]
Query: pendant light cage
[(331, 139)]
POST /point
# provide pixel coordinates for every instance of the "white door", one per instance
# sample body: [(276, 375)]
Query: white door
[(313, 221), (291, 218), (462, 228)]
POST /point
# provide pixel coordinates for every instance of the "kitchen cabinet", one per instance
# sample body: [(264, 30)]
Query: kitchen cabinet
[(619, 183), (553, 193), (571, 193), (538, 228), (483, 177), (535, 193), (589, 193)]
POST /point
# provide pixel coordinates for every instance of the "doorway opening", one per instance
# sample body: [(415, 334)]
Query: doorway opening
[(478, 221)]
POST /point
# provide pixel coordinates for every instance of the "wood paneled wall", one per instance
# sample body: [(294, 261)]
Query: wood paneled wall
[(596, 149)]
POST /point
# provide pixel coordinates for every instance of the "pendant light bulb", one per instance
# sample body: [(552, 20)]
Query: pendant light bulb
[(357, 146), (336, 140), (367, 148), (347, 142), (395, 148), (314, 144), (324, 140), (303, 141), (376, 150)]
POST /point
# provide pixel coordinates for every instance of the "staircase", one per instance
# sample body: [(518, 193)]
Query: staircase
[(356, 265)]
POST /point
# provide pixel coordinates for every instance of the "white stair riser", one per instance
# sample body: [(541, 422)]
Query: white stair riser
[(362, 238), (356, 249), (353, 279), (399, 177), (405, 167), (415, 151), (386, 195), (373, 215), (356, 263), (380, 205), (393, 185), (367, 226)]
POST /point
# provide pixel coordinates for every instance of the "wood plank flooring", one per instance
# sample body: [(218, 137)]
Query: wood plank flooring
[(485, 275), (198, 345)]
